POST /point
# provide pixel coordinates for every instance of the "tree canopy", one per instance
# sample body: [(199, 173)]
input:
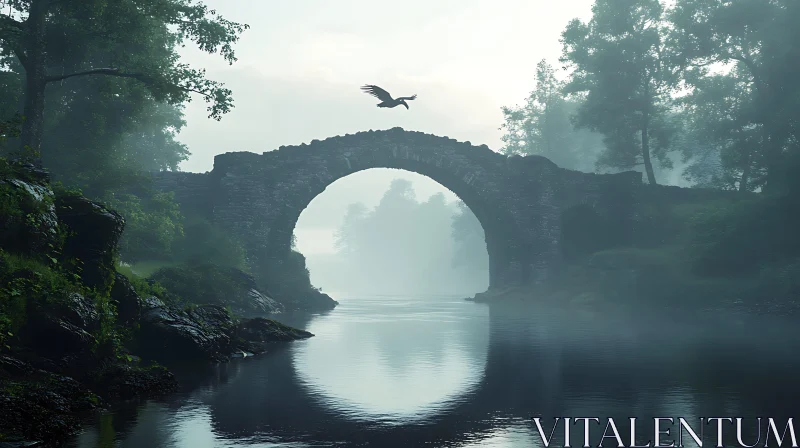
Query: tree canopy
[(64, 40), (707, 84), (95, 91)]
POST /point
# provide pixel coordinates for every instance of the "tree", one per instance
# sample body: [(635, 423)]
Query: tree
[(621, 63), (724, 120), (42, 32), (346, 237), (758, 38), (107, 131), (543, 126)]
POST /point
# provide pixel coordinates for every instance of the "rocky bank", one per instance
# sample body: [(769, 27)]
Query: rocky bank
[(74, 333)]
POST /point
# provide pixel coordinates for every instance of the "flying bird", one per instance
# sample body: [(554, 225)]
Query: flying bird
[(386, 99)]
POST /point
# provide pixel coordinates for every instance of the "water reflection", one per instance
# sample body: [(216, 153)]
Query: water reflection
[(448, 373), (389, 360)]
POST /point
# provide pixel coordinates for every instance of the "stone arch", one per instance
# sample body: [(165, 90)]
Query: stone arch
[(518, 200), (306, 171)]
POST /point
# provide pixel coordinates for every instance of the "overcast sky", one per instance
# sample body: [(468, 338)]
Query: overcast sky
[(302, 62)]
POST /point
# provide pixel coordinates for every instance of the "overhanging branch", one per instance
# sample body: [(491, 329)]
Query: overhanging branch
[(147, 79), (101, 71)]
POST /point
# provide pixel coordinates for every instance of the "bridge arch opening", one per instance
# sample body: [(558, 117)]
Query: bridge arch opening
[(260, 196), (392, 232)]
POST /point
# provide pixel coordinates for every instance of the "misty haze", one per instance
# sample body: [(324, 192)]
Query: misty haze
[(447, 224)]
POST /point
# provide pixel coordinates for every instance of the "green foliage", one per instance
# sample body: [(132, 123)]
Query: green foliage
[(102, 133), (143, 287), (143, 268), (748, 112), (10, 202), (202, 283), (10, 128), (13, 169), (151, 224), (623, 67), (543, 126), (287, 278), (205, 242), (135, 41), (739, 238), (59, 189), (26, 282)]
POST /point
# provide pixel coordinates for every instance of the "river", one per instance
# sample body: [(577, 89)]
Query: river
[(390, 371)]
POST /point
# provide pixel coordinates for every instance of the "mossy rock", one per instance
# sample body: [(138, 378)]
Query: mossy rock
[(28, 221), (94, 233)]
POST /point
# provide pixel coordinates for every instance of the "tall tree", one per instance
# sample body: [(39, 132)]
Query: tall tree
[(41, 32), (621, 63), (723, 118), (759, 38), (543, 125)]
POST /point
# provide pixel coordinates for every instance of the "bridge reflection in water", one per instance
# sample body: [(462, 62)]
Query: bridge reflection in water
[(524, 363)]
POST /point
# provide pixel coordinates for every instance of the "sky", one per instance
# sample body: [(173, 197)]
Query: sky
[(302, 62)]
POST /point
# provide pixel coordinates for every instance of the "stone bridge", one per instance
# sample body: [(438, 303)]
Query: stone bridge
[(519, 201)]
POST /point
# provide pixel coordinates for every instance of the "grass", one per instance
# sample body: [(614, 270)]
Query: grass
[(143, 269), (743, 250)]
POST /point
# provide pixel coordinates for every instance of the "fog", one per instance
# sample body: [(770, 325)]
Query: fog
[(302, 62), (413, 237)]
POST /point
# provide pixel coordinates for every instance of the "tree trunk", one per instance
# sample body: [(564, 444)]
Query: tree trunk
[(35, 80), (648, 164)]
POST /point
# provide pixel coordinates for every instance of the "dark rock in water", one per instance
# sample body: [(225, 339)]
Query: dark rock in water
[(207, 283), (310, 301), (119, 381), (205, 333), (94, 234), (287, 280), (254, 335), (127, 301), (40, 405), (167, 333)]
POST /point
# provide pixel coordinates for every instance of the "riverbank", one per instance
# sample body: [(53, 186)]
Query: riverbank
[(76, 336), (739, 253)]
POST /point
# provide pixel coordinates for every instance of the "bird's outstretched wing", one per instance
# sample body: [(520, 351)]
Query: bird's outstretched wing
[(377, 92), (412, 97)]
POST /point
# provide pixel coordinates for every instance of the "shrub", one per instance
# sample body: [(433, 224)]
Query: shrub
[(203, 242), (152, 224), (738, 238)]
